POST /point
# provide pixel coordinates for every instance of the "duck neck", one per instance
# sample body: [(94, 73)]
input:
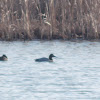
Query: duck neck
[(5, 59), (50, 58)]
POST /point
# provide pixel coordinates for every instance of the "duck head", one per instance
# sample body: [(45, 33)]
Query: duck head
[(4, 57), (51, 56)]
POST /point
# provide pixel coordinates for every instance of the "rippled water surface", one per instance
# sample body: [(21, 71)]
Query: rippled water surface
[(74, 74)]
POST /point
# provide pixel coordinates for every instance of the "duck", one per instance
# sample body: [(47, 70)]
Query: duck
[(44, 59), (3, 58)]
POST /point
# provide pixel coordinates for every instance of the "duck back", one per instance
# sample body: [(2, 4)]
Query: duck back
[(1, 59), (42, 59)]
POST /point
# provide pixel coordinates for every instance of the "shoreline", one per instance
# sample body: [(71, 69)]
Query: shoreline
[(71, 40)]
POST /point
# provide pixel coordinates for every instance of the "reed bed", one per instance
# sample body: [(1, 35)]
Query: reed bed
[(49, 19)]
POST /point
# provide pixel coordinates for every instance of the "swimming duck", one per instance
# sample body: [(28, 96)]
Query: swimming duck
[(3, 58), (44, 59)]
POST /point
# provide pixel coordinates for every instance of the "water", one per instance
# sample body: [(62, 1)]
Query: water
[(74, 74)]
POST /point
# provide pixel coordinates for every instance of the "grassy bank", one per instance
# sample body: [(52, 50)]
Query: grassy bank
[(49, 19)]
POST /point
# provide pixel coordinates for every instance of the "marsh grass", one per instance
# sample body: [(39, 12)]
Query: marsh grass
[(49, 19)]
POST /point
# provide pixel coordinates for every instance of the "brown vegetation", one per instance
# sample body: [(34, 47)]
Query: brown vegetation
[(49, 19)]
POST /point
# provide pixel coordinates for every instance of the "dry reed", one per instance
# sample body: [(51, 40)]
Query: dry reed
[(49, 19)]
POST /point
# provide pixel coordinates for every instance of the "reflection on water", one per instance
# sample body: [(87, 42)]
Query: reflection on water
[(74, 74)]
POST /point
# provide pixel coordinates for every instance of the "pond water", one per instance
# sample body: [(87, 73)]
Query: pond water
[(74, 74)]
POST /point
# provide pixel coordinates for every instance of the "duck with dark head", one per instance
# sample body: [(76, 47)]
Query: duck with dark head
[(44, 59), (3, 58)]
